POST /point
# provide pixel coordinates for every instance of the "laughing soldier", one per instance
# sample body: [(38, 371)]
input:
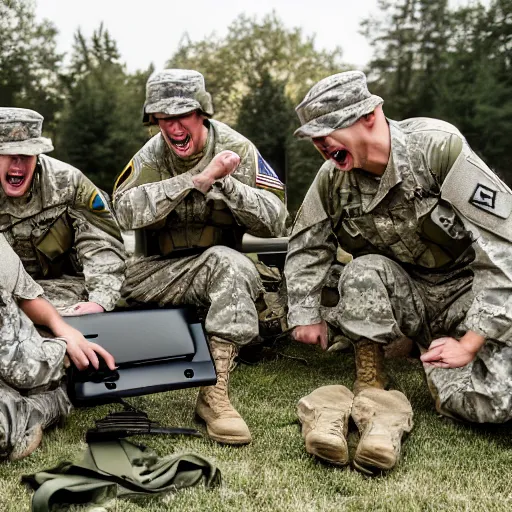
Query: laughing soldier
[(56, 220), (193, 190), (429, 226)]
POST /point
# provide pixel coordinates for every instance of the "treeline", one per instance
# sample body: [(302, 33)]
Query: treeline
[(429, 60)]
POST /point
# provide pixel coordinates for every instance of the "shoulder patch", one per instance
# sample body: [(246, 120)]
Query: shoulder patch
[(479, 195), (492, 201), (123, 175), (266, 176), (97, 203)]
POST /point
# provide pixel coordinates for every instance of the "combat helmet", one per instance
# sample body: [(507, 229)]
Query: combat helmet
[(176, 92)]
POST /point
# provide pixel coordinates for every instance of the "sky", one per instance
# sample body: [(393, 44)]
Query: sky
[(150, 30)]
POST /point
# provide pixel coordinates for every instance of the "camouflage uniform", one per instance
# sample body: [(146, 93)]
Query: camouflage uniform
[(156, 196), (31, 367), (62, 229), (431, 256)]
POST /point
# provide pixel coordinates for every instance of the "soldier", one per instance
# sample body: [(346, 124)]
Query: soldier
[(56, 220), (31, 367), (429, 226), (193, 190)]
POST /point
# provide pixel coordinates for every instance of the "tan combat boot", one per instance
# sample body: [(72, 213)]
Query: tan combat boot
[(45, 409), (223, 423), (369, 366), (381, 418), (324, 415)]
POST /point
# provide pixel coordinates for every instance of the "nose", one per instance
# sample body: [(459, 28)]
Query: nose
[(16, 161), (173, 125)]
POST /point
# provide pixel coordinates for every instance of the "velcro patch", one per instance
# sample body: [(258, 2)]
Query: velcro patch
[(96, 203), (479, 195), (492, 201)]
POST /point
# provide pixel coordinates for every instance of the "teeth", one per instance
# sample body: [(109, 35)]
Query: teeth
[(181, 143), (14, 180)]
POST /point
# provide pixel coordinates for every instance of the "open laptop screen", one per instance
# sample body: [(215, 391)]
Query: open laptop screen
[(139, 336)]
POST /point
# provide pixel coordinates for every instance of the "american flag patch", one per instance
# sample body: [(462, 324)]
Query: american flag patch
[(266, 176)]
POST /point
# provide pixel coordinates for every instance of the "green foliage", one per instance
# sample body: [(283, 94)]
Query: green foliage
[(266, 117), (256, 75), (100, 129), (451, 63), (29, 62)]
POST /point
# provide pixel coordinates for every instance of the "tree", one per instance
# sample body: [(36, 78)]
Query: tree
[(29, 62), (255, 75), (410, 41), (453, 64), (101, 128), (266, 117)]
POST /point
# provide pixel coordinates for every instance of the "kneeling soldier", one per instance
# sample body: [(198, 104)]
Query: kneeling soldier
[(430, 229)]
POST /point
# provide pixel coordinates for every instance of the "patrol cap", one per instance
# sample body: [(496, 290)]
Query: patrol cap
[(20, 132), (176, 92), (335, 102)]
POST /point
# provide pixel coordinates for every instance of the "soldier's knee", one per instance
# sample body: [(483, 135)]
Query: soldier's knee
[(369, 269), (478, 407), (233, 263)]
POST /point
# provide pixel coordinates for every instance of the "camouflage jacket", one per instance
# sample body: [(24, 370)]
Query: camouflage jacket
[(154, 196), (406, 215), (65, 227)]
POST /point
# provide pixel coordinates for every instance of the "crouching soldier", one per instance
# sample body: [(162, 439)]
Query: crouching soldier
[(430, 229), (56, 220), (31, 367), (193, 190)]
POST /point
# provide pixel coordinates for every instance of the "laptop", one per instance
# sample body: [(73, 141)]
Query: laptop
[(155, 350)]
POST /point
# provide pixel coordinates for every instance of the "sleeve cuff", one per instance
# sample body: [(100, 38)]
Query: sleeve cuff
[(303, 316), (107, 302)]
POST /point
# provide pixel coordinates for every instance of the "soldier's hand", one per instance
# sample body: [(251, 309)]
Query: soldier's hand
[(451, 353), (83, 352), (315, 334), (82, 308), (223, 164)]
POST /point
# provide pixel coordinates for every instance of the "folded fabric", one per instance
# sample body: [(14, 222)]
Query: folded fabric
[(117, 468)]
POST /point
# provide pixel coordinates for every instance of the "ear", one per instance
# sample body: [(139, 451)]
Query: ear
[(369, 120)]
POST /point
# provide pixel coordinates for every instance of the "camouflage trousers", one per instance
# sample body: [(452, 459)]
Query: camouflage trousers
[(380, 301), (64, 292), (31, 370), (220, 279)]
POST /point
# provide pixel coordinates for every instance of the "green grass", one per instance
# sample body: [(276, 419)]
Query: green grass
[(445, 465)]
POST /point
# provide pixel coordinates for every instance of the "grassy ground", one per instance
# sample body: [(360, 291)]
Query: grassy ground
[(445, 466)]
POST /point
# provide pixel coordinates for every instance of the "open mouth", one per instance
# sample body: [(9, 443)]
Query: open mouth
[(180, 144), (15, 179), (340, 156)]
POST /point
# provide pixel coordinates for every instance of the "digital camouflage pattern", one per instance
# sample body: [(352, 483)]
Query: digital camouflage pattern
[(20, 132), (335, 102), (421, 269), (65, 228), (221, 279), (31, 367), (157, 196), (176, 92)]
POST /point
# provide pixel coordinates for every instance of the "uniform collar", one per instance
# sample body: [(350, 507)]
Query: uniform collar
[(373, 189)]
